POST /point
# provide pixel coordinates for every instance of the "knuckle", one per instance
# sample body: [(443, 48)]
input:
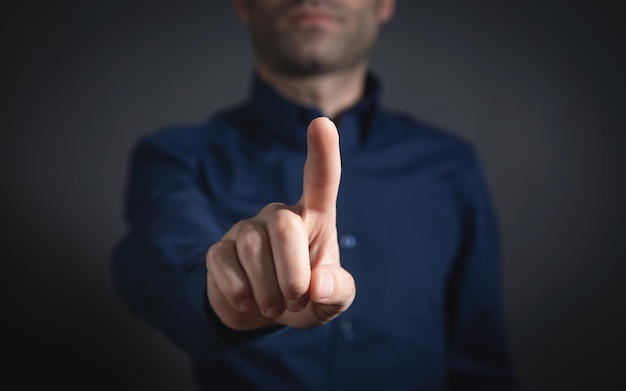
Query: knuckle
[(271, 208), (251, 239), (284, 223), (216, 252)]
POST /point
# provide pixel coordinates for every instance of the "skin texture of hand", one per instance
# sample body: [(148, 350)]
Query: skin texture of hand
[(282, 265)]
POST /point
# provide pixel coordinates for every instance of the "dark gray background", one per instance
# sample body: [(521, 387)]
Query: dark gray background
[(538, 86)]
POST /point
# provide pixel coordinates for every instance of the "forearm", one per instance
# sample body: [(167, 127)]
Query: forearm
[(167, 295)]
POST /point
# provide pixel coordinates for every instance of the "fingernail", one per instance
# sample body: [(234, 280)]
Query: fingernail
[(274, 312), (296, 305), (326, 285)]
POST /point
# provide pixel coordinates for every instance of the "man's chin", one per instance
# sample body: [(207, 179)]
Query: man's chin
[(312, 65)]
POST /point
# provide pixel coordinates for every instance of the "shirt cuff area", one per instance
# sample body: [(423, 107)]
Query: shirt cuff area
[(234, 337), (226, 337)]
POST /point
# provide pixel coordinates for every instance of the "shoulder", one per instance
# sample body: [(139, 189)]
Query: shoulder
[(186, 138), (447, 155), (425, 138)]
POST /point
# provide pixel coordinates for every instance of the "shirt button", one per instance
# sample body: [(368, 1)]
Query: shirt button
[(346, 327), (347, 242)]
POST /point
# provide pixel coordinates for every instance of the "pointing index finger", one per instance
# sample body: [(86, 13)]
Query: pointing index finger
[(322, 169)]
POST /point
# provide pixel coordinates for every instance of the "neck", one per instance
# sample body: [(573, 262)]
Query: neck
[(332, 93)]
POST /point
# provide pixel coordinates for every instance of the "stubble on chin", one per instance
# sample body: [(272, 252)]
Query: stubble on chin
[(301, 51)]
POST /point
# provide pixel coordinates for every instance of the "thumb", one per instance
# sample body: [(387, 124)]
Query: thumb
[(332, 288)]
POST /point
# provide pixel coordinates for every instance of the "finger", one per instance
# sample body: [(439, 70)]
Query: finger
[(322, 169), (225, 274), (290, 249), (332, 288), (255, 256)]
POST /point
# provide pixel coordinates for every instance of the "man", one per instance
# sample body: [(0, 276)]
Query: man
[(250, 235)]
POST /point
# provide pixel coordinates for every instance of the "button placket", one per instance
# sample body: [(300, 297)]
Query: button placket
[(346, 328)]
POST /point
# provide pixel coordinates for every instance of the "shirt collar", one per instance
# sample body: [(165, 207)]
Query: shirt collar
[(289, 120)]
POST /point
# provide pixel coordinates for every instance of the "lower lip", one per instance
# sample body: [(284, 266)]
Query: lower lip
[(313, 20)]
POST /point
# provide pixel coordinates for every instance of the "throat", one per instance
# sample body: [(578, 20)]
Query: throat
[(332, 93)]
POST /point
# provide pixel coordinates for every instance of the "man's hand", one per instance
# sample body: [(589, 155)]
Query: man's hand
[(282, 265)]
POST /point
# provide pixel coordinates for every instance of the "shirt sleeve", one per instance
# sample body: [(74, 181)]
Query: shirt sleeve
[(479, 355), (159, 266)]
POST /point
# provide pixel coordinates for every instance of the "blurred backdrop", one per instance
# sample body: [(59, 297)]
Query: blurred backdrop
[(538, 86)]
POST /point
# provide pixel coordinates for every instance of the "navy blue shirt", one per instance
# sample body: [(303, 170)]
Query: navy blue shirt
[(416, 230)]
